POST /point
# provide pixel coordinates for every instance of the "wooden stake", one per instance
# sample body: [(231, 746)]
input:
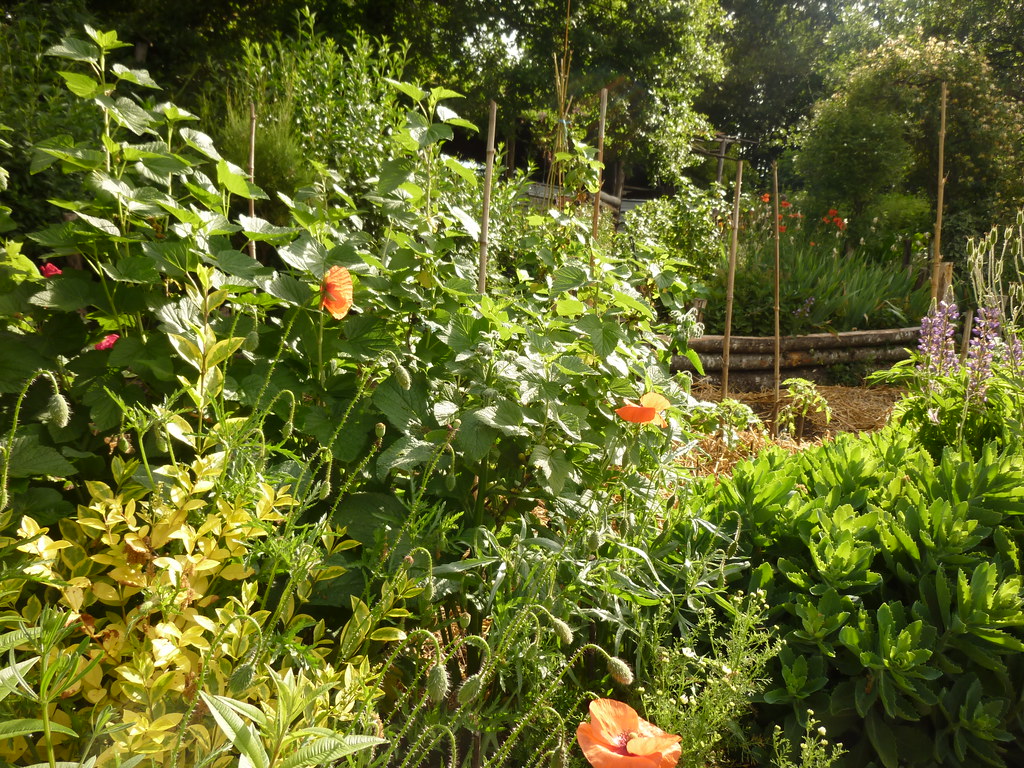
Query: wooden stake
[(600, 173), (937, 244), (252, 169), (731, 279), (777, 351), (481, 280)]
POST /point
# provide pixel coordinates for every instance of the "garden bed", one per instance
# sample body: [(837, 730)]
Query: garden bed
[(827, 358)]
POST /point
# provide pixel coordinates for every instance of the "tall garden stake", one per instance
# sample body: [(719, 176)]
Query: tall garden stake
[(252, 169), (777, 351), (481, 280), (600, 173), (937, 245), (731, 280)]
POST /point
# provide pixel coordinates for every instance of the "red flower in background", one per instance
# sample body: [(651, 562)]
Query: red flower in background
[(839, 223), (782, 227), (766, 198), (833, 212), (49, 270), (785, 203), (106, 342)]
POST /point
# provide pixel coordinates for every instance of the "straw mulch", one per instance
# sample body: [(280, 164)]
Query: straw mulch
[(854, 409)]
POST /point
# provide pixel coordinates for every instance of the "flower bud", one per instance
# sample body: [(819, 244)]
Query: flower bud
[(620, 671), (563, 630), (594, 540), (402, 376), (470, 689), (438, 683), (379, 429), (58, 410)]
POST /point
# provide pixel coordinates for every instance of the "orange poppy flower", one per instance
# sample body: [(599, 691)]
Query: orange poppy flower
[(336, 292), (617, 737), (647, 412)]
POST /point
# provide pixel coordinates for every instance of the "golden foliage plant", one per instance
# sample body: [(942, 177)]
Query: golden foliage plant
[(161, 612)]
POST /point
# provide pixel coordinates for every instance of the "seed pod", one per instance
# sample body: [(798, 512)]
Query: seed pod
[(402, 376), (620, 671), (449, 478), (557, 757), (470, 689), (463, 620), (325, 489), (594, 540), (58, 410), (438, 683), (428, 588), (379, 429)]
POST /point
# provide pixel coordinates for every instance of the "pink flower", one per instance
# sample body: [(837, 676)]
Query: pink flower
[(107, 342), (49, 270)]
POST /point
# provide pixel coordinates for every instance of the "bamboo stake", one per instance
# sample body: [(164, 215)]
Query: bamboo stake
[(600, 173), (778, 338), (731, 280), (252, 169), (481, 280), (937, 244)]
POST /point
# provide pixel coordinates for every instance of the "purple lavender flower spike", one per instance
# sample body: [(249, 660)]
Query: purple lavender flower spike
[(936, 341), (980, 352)]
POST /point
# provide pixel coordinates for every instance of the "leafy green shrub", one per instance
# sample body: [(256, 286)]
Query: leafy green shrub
[(895, 580)]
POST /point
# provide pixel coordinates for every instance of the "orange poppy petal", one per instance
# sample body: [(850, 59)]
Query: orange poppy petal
[(610, 718), (649, 745), (336, 292), (655, 401), (637, 414)]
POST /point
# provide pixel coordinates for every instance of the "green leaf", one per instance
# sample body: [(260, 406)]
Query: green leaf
[(14, 728), (410, 90), (81, 85), (328, 749), (233, 179), (570, 307), (200, 142), (306, 255), (286, 288), (9, 676), (258, 229), (393, 174), (568, 278), (403, 407), (137, 76), (553, 466), (388, 634), (243, 737), (604, 335), (475, 437), (75, 50), (133, 269), (463, 170), (128, 114), (882, 739), (30, 458), (626, 301), (406, 452)]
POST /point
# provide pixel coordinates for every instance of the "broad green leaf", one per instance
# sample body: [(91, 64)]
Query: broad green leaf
[(133, 269), (626, 301), (406, 452), (567, 278), (235, 181), (410, 90), (128, 114), (287, 288), (200, 142), (29, 458), (81, 85), (306, 255), (553, 466), (137, 76), (475, 437), (258, 229), (393, 173), (570, 307), (463, 170), (75, 50)]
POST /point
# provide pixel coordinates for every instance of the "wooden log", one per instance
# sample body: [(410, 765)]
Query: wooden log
[(799, 358), (765, 344)]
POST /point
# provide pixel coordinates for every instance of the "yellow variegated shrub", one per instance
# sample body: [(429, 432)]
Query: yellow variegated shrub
[(163, 613)]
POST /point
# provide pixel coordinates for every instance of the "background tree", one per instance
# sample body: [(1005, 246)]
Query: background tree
[(879, 134)]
